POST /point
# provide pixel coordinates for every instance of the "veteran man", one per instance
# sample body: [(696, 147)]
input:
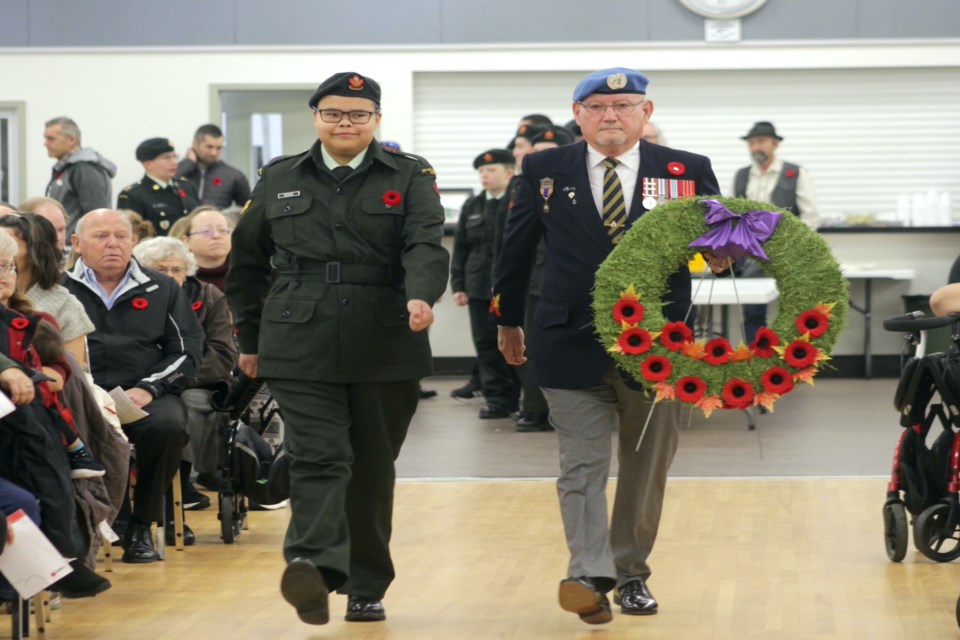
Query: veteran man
[(336, 264), (581, 199), (159, 197)]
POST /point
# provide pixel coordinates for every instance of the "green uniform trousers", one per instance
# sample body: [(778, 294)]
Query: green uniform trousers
[(342, 440)]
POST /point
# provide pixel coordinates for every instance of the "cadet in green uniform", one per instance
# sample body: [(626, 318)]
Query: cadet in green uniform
[(336, 263), (159, 197)]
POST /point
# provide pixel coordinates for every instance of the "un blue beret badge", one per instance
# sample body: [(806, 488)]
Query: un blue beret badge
[(617, 81)]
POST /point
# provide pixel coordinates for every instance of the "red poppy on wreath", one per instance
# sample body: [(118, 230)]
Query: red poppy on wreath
[(495, 306), (690, 389), (676, 168), (181, 193), (675, 334), (764, 342), (790, 173), (656, 368), (139, 303), (628, 310), (717, 351), (196, 306), (634, 341), (737, 394), (812, 322), (391, 198), (777, 380), (800, 354), (216, 182), (20, 323)]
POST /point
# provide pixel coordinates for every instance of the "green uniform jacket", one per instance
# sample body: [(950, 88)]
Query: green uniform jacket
[(320, 274), (471, 268)]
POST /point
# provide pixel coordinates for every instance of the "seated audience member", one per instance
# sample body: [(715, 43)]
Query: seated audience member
[(38, 277), (946, 300), (146, 341), (171, 257), (206, 232), (53, 212)]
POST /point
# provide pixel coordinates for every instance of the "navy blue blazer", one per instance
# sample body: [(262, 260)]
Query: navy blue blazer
[(568, 352)]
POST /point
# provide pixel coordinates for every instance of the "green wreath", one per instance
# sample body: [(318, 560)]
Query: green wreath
[(714, 374)]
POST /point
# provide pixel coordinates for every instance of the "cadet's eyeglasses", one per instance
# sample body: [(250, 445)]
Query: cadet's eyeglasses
[(334, 116), (210, 232), (621, 108), (7, 268)]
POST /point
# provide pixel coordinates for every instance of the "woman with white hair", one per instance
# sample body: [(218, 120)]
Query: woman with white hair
[(171, 257)]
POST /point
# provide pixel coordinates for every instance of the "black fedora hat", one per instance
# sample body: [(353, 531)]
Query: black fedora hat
[(762, 129)]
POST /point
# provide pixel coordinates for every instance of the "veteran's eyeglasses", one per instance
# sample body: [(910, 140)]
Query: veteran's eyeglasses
[(333, 116), (596, 109), (7, 268), (210, 232), (170, 271)]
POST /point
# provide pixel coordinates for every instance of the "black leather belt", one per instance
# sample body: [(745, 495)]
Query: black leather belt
[(340, 273)]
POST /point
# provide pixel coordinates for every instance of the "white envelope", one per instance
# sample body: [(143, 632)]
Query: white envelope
[(30, 563)]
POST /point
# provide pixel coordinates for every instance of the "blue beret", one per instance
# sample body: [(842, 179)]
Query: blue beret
[(616, 80)]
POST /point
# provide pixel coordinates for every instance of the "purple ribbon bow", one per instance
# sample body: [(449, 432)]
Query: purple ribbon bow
[(732, 235)]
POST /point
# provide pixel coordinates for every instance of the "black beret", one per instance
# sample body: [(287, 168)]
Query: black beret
[(150, 149), (493, 156), (553, 133), (348, 84), (529, 131)]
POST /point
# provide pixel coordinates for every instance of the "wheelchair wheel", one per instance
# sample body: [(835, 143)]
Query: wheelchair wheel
[(231, 515), (934, 538), (895, 533)]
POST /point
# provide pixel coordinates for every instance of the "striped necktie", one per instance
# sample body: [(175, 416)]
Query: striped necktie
[(614, 208)]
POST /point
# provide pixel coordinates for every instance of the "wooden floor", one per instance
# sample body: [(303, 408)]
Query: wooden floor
[(771, 535)]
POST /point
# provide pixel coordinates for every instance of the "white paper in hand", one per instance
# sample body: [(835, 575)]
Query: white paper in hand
[(6, 405), (30, 563), (127, 412)]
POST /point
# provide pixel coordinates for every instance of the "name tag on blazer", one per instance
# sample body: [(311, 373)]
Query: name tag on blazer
[(659, 190)]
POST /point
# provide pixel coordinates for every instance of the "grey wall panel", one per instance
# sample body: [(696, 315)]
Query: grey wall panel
[(802, 20), (98, 23), (353, 22), (14, 18), (915, 19)]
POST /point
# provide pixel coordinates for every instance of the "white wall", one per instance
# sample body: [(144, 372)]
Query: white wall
[(120, 97)]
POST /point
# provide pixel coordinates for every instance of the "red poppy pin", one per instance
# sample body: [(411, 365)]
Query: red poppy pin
[(676, 168), (181, 193), (391, 198), (20, 323), (139, 303), (790, 173), (196, 306), (216, 182)]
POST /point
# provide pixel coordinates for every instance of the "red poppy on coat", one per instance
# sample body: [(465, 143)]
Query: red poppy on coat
[(182, 193), (812, 322), (216, 182), (139, 303), (777, 380), (676, 168), (20, 323), (674, 334), (690, 389), (391, 198), (790, 173), (717, 351), (764, 342), (634, 341), (800, 354), (628, 310), (737, 394), (656, 369), (196, 306)]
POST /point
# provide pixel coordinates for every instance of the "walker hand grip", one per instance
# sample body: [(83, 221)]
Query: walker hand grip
[(916, 321)]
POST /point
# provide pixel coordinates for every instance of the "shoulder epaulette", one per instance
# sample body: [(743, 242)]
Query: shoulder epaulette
[(273, 162)]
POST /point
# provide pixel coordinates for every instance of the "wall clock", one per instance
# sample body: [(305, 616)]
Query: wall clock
[(723, 9)]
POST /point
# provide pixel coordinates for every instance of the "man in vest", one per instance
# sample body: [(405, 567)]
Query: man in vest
[(770, 179)]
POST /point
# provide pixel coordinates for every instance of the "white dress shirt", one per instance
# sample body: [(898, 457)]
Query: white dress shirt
[(628, 171)]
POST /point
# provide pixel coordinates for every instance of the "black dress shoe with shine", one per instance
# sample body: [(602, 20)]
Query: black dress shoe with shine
[(493, 412), (530, 422), (80, 583), (581, 596), (302, 586), (360, 609), (138, 544), (635, 599), (189, 538)]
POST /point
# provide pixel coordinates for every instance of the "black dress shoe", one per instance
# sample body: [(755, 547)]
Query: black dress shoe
[(467, 391), (81, 583), (360, 609), (138, 544), (193, 500), (580, 596), (304, 588), (635, 599), (427, 393), (493, 412), (530, 422), (169, 536)]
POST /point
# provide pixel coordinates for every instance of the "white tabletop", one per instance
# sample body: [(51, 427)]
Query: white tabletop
[(734, 290), (864, 272)]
